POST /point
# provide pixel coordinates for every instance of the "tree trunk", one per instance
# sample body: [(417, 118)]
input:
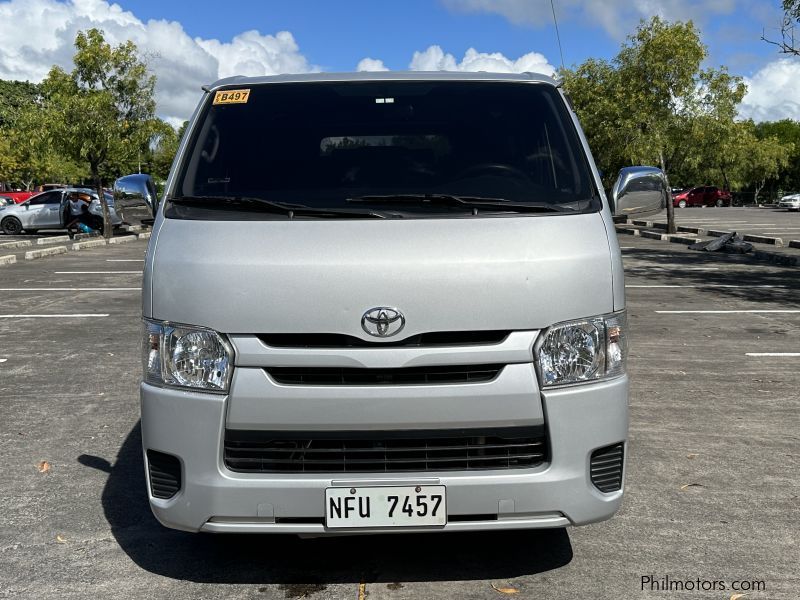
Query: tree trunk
[(758, 190), (725, 179), (98, 182), (671, 227)]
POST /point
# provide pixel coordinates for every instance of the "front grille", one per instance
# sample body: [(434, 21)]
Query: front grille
[(606, 468), (383, 452), (406, 376), (335, 340), (165, 474)]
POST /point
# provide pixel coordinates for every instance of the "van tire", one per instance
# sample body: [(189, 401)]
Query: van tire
[(720, 203)]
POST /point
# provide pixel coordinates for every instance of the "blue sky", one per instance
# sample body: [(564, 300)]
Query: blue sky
[(336, 35), (191, 43)]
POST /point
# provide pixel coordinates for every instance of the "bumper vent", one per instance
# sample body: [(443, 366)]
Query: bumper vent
[(384, 452), (165, 474), (407, 376), (335, 340), (606, 468)]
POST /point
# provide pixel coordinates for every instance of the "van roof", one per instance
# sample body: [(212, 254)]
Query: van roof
[(384, 76)]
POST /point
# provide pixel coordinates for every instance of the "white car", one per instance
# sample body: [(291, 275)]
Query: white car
[(791, 202), (49, 210)]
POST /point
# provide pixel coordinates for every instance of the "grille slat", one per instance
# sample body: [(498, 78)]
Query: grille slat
[(335, 340), (266, 452), (403, 376), (165, 474), (606, 468)]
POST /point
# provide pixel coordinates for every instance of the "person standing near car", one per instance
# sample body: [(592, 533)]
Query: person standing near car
[(78, 209)]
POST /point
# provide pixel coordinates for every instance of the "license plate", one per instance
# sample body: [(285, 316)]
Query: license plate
[(407, 506)]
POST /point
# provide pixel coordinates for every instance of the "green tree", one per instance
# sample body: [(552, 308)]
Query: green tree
[(653, 104), (788, 133), (102, 113), (27, 155)]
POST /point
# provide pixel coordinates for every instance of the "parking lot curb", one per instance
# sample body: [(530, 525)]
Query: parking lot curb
[(679, 239), (651, 235), (33, 254), (687, 229), (85, 236), (8, 260), (52, 240), (89, 244), (143, 236), (17, 244), (762, 239), (123, 239), (762, 255)]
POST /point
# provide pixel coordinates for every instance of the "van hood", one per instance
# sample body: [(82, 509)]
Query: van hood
[(321, 276)]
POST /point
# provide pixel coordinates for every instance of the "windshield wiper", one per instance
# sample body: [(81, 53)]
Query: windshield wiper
[(262, 204), (476, 202)]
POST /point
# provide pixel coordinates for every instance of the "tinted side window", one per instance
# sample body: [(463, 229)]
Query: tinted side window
[(47, 198)]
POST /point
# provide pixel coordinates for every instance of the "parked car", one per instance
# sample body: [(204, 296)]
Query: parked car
[(702, 196), (18, 197), (790, 202), (50, 210)]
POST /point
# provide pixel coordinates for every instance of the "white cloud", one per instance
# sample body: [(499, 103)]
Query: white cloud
[(435, 59), (43, 33), (773, 92), (371, 64), (617, 17)]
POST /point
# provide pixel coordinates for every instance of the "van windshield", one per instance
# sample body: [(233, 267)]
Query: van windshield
[(326, 145)]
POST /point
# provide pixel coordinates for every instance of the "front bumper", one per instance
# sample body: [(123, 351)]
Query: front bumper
[(212, 498)]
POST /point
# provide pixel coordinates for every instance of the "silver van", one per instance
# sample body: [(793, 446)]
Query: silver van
[(386, 302)]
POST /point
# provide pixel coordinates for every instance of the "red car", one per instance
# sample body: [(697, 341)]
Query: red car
[(702, 196)]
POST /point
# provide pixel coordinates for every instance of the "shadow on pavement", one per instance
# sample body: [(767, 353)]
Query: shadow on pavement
[(310, 563), (749, 280)]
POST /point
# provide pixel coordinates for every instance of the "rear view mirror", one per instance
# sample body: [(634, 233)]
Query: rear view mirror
[(135, 199), (639, 191)]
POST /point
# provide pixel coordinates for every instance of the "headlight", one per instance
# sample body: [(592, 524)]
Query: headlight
[(186, 357), (582, 351)]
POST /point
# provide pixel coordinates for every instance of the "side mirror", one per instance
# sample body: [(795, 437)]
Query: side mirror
[(639, 191), (135, 199)]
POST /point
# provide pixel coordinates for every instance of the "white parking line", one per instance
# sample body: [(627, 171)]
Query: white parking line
[(722, 312), (94, 272), (772, 354), (124, 260), (75, 316), (2, 360), (72, 289)]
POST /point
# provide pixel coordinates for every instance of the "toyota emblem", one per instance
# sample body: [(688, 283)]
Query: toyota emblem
[(383, 321)]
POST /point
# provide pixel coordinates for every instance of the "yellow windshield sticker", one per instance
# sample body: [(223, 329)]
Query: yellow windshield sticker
[(231, 96)]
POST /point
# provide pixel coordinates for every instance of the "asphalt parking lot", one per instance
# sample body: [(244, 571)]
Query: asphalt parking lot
[(771, 222), (712, 490)]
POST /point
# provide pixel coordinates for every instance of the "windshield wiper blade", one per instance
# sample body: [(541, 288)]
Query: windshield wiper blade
[(479, 202), (291, 210)]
